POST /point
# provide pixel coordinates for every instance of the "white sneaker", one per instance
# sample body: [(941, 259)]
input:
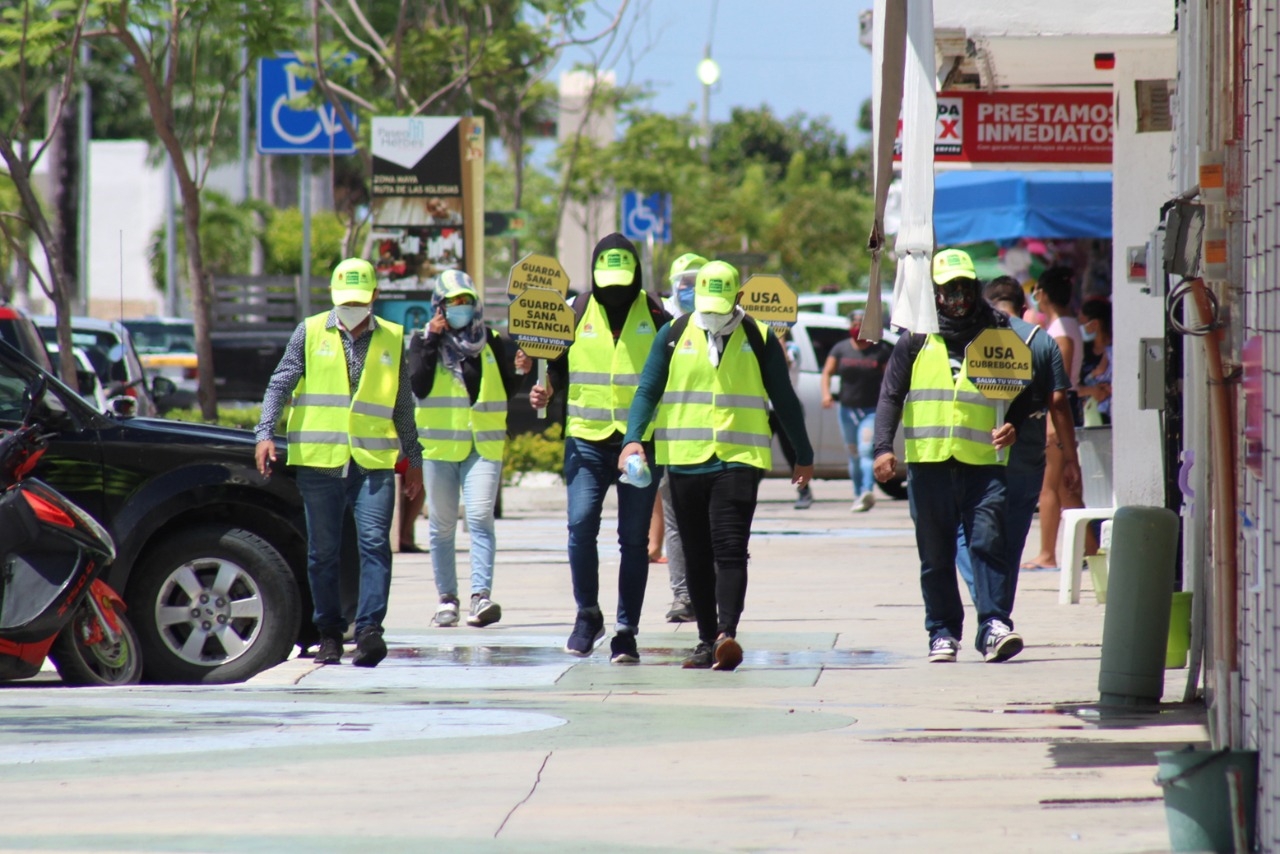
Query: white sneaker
[(446, 613), (943, 650), (863, 503)]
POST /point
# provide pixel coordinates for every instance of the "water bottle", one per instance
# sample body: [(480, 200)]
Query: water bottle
[(635, 472)]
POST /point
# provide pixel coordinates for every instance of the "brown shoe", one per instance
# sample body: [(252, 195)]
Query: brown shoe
[(727, 653)]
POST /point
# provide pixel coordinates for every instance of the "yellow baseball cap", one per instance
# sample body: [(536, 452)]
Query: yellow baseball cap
[(952, 264), (354, 280), (689, 262), (615, 267), (716, 289)]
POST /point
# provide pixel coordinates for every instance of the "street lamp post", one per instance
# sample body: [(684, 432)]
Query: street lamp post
[(708, 74)]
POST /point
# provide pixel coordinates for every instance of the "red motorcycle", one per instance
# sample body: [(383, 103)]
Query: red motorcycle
[(52, 601)]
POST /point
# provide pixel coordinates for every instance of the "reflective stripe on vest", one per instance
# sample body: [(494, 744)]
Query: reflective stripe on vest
[(709, 410), (449, 424), (328, 425), (944, 418), (603, 374)]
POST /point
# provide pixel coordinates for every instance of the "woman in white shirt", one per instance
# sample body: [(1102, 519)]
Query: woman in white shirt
[(1052, 295)]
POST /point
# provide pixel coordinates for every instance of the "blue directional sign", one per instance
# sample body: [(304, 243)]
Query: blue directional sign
[(646, 215), (282, 130)]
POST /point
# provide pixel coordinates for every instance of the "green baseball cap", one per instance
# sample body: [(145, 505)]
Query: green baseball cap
[(689, 262), (615, 267), (952, 264), (716, 289), (354, 280)]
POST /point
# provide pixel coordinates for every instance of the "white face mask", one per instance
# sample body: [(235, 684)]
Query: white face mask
[(713, 323), (351, 316)]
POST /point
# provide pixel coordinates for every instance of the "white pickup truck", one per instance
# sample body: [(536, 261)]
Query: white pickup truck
[(815, 334)]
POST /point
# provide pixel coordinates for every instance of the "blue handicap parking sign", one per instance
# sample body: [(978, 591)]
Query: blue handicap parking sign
[(646, 215), (282, 130)]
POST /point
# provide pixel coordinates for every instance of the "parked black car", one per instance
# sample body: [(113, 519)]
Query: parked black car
[(211, 556)]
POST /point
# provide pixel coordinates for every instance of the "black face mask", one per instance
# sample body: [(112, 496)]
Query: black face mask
[(956, 298), (615, 295)]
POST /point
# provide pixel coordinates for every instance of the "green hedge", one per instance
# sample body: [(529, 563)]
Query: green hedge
[(246, 418), (531, 452)]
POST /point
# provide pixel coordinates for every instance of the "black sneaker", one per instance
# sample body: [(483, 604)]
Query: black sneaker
[(370, 647), (681, 612), (330, 651), (727, 653), (622, 649), (700, 659), (587, 629)]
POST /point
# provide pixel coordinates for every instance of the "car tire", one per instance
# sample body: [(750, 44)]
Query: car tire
[(212, 605), (896, 489)]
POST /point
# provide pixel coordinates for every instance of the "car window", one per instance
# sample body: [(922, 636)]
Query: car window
[(823, 339), (154, 337)]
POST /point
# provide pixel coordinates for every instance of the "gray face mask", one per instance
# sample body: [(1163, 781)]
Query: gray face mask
[(715, 322), (351, 316)]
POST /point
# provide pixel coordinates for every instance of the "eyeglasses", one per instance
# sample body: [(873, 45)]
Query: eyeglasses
[(460, 299)]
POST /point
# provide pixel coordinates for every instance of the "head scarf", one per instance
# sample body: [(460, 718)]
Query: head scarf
[(457, 345)]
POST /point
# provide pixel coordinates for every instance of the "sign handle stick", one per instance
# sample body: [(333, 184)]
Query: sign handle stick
[(1000, 404), (542, 381)]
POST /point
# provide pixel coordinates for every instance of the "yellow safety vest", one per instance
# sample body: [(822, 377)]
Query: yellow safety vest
[(709, 410), (945, 418), (328, 424), (603, 374), (449, 423)]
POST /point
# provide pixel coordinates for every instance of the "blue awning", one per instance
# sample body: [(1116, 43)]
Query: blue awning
[(969, 207)]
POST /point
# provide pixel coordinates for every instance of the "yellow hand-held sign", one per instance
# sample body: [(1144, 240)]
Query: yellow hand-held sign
[(537, 271), (541, 322), (998, 362), (770, 300)]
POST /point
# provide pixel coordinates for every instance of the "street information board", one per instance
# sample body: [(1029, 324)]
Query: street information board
[(998, 362), (537, 271), (769, 299), (541, 322)]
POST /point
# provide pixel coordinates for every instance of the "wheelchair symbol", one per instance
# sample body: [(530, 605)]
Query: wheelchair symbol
[(646, 216), (325, 117)]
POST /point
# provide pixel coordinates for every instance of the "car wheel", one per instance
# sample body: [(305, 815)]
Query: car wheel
[(213, 604), (896, 489)]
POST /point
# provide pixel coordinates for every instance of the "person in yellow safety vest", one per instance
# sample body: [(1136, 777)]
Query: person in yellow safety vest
[(617, 324), (462, 382), (714, 373), (352, 417), (683, 277), (955, 468)]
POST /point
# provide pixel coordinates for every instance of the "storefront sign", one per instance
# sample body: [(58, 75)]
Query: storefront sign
[(1022, 127)]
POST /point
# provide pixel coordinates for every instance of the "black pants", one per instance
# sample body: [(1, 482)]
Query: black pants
[(713, 515)]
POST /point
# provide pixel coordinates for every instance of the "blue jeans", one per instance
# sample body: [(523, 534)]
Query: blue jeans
[(372, 496), (943, 496), (476, 479), (1022, 490), (858, 427), (590, 468)]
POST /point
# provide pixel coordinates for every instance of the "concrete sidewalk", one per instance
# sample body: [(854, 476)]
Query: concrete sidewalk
[(834, 735)]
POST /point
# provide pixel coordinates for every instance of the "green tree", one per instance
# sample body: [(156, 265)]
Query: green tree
[(39, 50), (229, 234), (282, 241), (187, 56)]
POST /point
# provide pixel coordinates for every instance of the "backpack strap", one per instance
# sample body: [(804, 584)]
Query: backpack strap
[(580, 307), (674, 334), (916, 344)]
